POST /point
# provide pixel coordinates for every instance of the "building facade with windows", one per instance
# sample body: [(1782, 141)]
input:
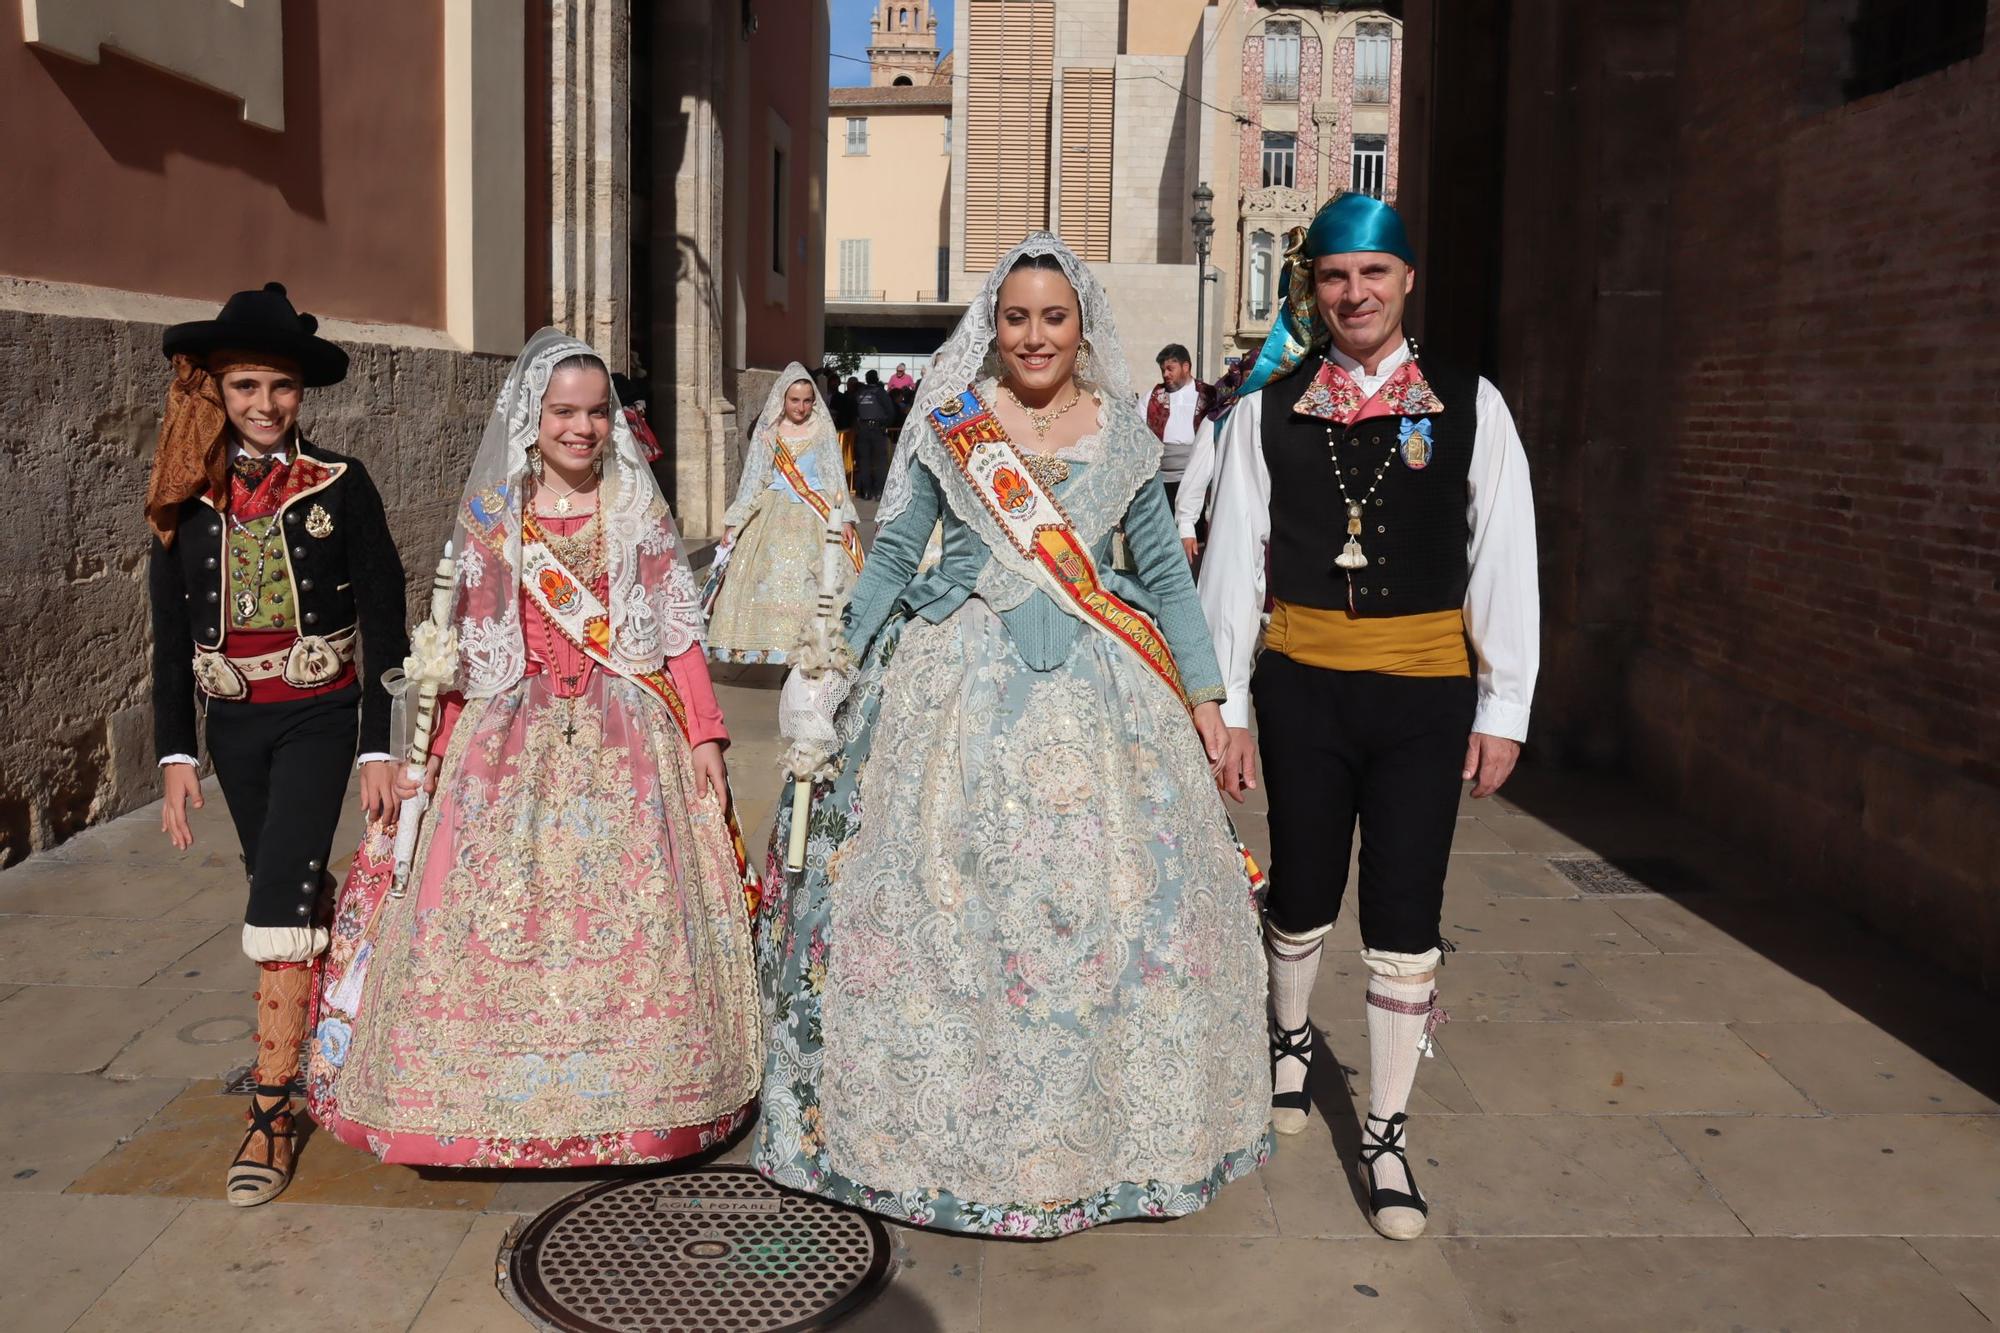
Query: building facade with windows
[(888, 169), (1085, 117), (1097, 119), (1309, 106), (888, 232)]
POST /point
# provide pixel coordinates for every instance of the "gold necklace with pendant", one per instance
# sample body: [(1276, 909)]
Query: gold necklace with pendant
[(562, 505), (1044, 422), (249, 600)]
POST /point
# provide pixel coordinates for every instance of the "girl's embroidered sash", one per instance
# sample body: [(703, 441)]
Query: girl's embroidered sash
[(1039, 529), (781, 458), (576, 613)]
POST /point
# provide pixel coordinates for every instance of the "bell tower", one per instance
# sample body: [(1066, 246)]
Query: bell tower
[(902, 44)]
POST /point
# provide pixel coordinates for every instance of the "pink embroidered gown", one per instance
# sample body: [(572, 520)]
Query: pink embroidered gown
[(569, 978)]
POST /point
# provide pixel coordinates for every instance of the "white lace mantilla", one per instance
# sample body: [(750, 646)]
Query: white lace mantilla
[(654, 602)]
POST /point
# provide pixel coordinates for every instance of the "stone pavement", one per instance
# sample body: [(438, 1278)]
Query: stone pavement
[(1698, 1109)]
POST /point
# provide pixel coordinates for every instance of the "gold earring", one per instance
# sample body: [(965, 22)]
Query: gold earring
[(1083, 361)]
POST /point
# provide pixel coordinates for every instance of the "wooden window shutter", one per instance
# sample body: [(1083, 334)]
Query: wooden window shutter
[(1086, 162), (1010, 57)]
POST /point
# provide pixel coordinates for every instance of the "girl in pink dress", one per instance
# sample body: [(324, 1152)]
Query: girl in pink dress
[(568, 978)]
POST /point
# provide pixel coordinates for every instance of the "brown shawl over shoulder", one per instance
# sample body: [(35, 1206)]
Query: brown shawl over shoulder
[(191, 457)]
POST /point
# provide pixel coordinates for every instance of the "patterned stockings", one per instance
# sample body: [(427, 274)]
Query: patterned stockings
[(282, 1003), (1293, 961)]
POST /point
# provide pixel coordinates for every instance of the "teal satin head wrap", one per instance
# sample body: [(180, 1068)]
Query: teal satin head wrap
[(1354, 222), (1345, 224)]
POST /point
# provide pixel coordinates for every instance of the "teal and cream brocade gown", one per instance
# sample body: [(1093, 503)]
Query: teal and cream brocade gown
[(1019, 988)]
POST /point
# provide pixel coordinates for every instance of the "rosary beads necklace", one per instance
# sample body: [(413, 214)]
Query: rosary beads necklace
[(1351, 556)]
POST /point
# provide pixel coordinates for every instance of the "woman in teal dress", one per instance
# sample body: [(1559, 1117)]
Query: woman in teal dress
[(1018, 989)]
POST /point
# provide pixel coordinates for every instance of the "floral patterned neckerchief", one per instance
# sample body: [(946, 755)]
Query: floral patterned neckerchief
[(1334, 396)]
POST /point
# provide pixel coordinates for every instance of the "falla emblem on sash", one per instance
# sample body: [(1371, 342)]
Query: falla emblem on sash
[(318, 522), (1414, 441), (1012, 492), (556, 586)]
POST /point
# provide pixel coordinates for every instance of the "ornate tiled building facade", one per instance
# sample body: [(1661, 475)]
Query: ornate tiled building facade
[(1299, 70), (1312, 60), (1250, 161), (1342, 94), (1395, 118)]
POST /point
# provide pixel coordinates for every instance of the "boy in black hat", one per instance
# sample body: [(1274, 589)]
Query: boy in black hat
[(271, 557)]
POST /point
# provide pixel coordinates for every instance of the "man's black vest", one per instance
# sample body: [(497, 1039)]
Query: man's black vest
[(1415, 528)]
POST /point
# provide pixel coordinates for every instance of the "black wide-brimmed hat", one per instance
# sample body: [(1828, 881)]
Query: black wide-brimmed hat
[(262, 321)]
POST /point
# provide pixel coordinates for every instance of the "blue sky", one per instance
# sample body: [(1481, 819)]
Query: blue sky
[(850, 38)]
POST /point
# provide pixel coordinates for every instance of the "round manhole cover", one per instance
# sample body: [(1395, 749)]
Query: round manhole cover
[(718, 1247)]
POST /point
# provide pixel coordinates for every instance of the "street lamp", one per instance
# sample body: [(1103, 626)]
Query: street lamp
[(1204, 229)]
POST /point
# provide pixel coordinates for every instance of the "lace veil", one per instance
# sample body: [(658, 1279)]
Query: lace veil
[(824, 449), (968, 357), (654, 604), (1128, 453)]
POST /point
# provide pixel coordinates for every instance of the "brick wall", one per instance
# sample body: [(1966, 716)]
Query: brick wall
[(1748, 333), (1837, 431), (1826, 579)]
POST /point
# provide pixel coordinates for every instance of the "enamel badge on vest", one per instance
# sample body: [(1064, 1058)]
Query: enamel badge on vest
[(1414, 442)]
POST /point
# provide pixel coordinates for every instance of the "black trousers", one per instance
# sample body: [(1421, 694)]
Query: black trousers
[(871, 458), (1346, 746), (284, 769)]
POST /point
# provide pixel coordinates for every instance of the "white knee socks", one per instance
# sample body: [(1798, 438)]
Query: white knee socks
[(1399, 1014), (1294, 964)]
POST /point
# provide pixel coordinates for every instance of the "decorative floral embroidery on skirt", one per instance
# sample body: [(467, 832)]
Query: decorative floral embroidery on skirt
[(570, 978), (771, 588), (1026, 994)]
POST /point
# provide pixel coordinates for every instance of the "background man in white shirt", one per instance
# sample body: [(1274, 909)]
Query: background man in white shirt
[(1175, 409), (1191, 501), (1386, 510)]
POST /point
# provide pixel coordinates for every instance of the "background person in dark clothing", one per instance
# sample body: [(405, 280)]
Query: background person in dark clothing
[(840, 401), (874, 416), (840, 406)]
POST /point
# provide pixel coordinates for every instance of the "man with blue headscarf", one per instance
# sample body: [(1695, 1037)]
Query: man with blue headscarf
[(1382, 508)]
